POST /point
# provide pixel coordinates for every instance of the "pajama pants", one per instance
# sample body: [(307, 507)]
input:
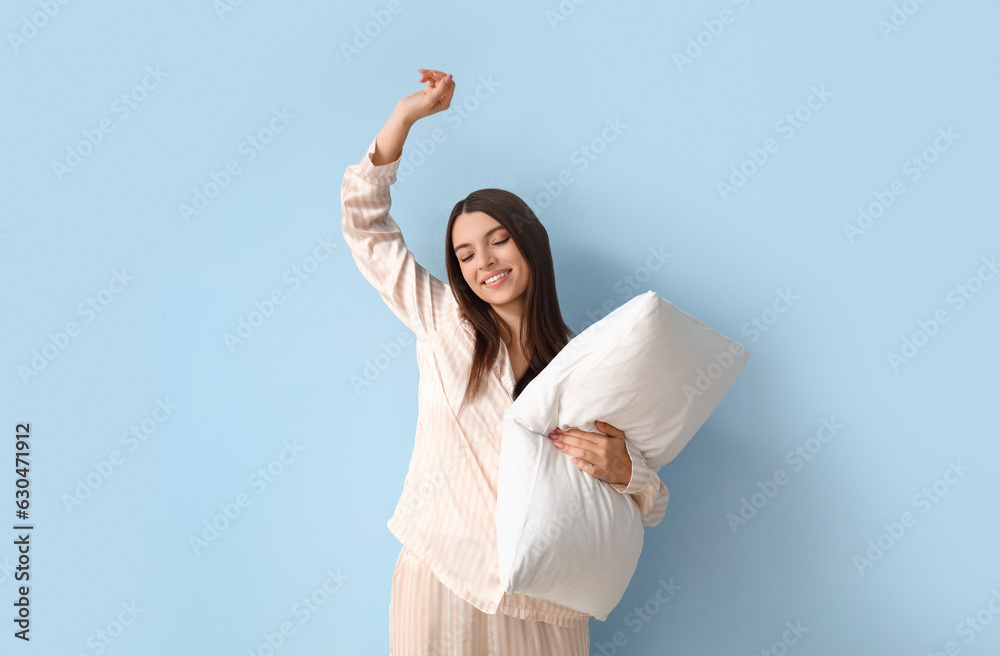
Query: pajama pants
[(428, 619)]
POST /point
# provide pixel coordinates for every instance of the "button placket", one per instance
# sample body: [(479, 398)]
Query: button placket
[(505, 375)]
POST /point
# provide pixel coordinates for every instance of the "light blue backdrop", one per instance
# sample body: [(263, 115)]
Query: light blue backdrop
[(878, 536)]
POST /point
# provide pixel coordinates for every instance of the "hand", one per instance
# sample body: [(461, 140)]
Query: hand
[(602, 456), (433, 98)]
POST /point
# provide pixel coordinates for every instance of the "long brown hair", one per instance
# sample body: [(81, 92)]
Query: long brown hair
[(543, 333)]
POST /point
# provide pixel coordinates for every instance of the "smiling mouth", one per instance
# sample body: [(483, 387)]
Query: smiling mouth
[(495, 279)]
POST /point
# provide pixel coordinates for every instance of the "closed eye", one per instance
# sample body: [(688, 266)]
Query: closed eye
[(495, 244)]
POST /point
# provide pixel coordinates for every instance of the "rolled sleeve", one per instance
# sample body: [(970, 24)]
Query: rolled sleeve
[(645, 487)]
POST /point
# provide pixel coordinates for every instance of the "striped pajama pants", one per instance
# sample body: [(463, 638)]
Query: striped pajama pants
[(428, 619)]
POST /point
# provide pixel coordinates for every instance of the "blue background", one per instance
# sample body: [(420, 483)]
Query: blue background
[(534, 87)]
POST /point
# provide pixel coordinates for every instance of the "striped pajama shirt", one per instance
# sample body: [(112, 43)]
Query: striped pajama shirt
[(446, 596)]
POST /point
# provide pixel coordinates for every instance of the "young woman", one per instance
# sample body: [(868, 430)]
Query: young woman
[(481, 338)]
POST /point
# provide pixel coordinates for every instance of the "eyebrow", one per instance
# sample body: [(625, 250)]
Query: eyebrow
[(488, 233)]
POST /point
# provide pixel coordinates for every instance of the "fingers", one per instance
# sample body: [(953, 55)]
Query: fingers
[(581, 447), (439, 82), (588, 467), (439, 91), (577, 451), (577, 437), (432, 74), (592, 437), (602, 456), (609, 429), (449, 90), (597, 461)]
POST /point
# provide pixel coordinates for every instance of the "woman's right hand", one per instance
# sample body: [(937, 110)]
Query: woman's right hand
[(433, 98)]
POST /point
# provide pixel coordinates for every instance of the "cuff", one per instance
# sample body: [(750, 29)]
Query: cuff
[(640, 471), (384, 173)]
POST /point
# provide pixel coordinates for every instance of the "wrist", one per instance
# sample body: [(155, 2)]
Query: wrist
[(628, 475), (626, 472), (401, 120)]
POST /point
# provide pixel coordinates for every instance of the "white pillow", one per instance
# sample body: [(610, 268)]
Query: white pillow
[(651, 370)]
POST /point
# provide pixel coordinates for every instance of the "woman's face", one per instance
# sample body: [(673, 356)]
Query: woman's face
[(484, 248)]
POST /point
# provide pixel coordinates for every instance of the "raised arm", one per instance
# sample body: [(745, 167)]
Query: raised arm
[(433, 98), (374, 237)]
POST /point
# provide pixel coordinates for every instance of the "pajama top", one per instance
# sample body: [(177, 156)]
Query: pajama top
[(445, 514)]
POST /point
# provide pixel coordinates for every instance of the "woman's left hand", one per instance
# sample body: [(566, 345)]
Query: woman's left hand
[(602, 456)]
